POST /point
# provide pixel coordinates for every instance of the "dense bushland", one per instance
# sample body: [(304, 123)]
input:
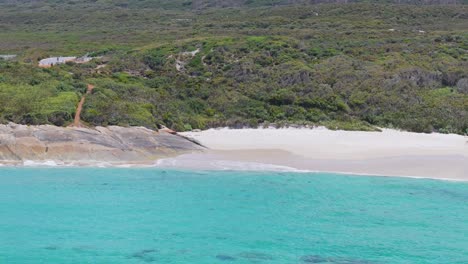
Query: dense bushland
[(353, 66)]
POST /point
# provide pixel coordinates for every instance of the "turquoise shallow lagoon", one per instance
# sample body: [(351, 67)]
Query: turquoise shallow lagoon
[(65, 215)]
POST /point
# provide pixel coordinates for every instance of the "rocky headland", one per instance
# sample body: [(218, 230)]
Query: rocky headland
[(113, 144)]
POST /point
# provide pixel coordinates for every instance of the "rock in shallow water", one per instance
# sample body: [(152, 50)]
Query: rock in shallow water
[(145, 255), (333, 260), (255, 256), (225, 257), (51, 247)]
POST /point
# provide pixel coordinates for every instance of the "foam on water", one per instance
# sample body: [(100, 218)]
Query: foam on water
[(225, 165), (251, 166), (174, 163), (46, 163), (62, 164), (208, 164)]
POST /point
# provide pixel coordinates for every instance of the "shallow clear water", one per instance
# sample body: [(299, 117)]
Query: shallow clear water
[(148, 215)]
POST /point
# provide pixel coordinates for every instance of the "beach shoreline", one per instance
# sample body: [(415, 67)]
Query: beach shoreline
[(194, 162), (388, 153)]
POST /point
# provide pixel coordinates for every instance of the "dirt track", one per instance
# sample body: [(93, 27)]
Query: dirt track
[(77, 121)]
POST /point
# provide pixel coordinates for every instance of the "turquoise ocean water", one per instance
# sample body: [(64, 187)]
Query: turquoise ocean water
[(65, 215)]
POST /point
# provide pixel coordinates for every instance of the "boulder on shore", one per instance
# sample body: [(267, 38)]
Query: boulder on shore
[(100, 144)]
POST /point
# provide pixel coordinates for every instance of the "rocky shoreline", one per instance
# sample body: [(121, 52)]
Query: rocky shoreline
[(113, 144)]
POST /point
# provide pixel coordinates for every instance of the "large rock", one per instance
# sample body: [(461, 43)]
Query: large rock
[(101, 144)]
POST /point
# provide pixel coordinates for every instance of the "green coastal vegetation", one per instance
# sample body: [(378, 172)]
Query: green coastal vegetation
[(199, 64)]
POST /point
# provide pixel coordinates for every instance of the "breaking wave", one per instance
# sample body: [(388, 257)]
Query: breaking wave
[(46, 163), (225, 165)]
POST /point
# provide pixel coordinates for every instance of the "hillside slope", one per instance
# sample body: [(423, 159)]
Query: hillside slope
[(349, 66)]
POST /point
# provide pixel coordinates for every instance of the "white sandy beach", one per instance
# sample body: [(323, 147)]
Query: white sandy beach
[(390, 152)]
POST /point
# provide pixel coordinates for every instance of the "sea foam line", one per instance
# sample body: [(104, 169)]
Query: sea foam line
[(219, 165), (224, 165)]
